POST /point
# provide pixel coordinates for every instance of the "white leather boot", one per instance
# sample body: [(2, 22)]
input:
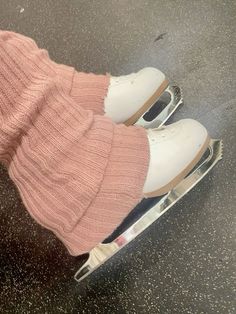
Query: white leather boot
[(130, 96), (174, 151)]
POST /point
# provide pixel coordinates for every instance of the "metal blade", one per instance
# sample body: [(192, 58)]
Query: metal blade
[(102, 252)]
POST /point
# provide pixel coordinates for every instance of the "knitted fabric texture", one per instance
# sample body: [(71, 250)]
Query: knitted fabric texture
[(78, 173)]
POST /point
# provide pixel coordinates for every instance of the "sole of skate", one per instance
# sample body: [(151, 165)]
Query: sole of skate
[(104, 251)]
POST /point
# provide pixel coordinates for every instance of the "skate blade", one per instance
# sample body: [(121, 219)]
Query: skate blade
[(104, 251), (163, 108)]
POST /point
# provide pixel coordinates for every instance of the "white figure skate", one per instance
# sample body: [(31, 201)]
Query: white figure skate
[(174, 151), (197, 157), (144, 98)]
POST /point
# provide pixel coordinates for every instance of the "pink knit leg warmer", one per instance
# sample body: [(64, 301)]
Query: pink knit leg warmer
[(78, 173), (87, 89)]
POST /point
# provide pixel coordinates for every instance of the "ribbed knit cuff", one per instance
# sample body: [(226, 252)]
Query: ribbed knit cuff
[(120, 191), (89, 90)]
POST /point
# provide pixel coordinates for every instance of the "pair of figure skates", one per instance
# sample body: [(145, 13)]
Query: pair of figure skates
[(181, 154)]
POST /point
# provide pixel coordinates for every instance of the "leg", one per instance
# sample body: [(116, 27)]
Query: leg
[(78, 173)]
